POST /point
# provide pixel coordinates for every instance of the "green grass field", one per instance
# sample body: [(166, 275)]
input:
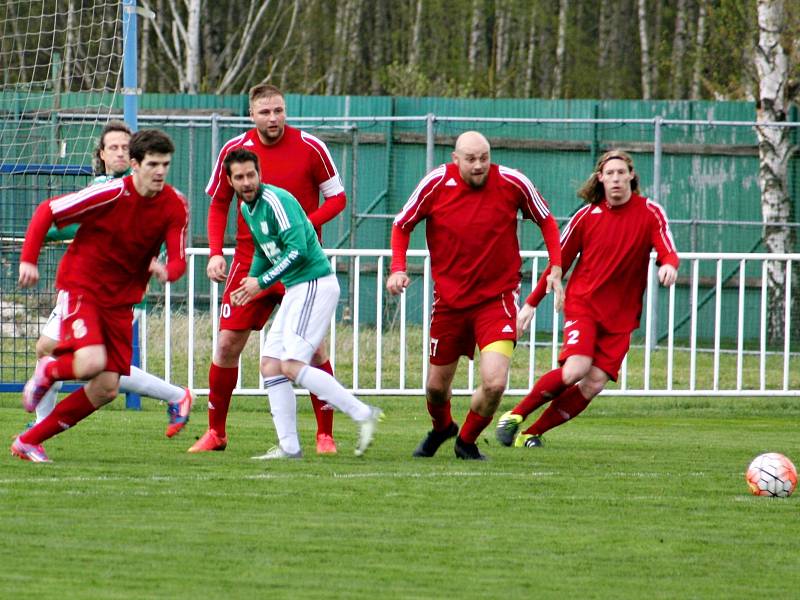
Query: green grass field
[(635, 498)]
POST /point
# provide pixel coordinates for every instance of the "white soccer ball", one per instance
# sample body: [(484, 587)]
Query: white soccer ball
[(771, 474)]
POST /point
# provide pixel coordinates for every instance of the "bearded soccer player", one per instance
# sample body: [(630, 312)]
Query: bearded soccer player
[(613, 234), (103, 274), (301, 164), (112, 161), (287, 249), (471, 207)]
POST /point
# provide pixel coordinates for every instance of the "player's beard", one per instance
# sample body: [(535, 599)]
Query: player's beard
[(478, 181)]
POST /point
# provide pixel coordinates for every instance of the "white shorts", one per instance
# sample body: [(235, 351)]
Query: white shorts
[(52, 328), (303, 320)]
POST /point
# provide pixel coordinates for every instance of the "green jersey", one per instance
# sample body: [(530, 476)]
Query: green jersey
[(54, 234), (287, 247)]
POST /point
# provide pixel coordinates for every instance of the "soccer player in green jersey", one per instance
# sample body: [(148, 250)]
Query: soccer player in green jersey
[(111, 161), (287, 249)]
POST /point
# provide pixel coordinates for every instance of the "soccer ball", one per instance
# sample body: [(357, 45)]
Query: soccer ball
[(771, 474)]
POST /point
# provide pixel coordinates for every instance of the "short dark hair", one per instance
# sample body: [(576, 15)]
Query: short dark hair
[(112, 125), (264, 90), (150, 141), (239, 155)]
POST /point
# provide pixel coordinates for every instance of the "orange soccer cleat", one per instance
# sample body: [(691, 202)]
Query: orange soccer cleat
[(209, 442)]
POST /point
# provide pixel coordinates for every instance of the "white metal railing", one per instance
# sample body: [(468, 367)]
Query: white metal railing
[(690, 364)]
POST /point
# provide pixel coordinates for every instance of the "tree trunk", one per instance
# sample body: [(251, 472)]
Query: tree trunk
[(644, 44), (531, 55), (774, 150), (561, 42), (476, 37), (678, 52), (193, 46), (700, 40), (416, 38)]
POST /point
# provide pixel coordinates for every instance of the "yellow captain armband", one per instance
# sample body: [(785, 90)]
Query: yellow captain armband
[(504, 347)]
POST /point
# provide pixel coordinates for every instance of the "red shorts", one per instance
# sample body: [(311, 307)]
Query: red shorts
[(456, 332), (255, 313), (85, 323), (585, 337)]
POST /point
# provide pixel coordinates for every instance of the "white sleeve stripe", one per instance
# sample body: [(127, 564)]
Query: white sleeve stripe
[(216, 173), (573, 223), (65, 203), (531, 193), (321, 149), (278, 209), (332, 187), (663, 228), (415, 201)]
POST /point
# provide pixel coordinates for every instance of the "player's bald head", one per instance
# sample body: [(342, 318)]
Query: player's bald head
[(472, 157), (472, 142)]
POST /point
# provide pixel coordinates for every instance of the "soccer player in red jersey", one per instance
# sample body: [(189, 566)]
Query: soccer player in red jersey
[(470, 207), (614, 234), (103, 274), (112, 161), (300, 163)]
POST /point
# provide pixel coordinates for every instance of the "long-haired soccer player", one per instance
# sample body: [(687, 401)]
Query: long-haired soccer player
[(613, 234)]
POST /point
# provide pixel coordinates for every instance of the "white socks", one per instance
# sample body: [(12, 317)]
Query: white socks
[(283, 406), (331, 391), (145, 384)]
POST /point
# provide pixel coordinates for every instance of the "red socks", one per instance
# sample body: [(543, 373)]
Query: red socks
[(549, 386), (441, 417), (221, 381), (61, 368), (66, 414), (568, 405), (324, 416), (473, 425)]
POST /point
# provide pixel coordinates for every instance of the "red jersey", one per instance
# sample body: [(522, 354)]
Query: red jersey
[(614, 244), (299, 162), (472, 232), (120, 233)]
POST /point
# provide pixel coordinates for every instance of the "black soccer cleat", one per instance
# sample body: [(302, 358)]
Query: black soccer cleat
[(467, 451), (428, 447)]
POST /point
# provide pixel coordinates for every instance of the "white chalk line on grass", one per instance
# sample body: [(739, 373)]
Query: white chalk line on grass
[(360, 475)]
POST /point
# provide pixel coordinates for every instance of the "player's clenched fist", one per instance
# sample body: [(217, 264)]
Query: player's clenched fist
[(397, 282)]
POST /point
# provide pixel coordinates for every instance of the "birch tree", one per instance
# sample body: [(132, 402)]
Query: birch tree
[(644, 43), (678, 51), (561, 43), (774, 150), (699, 44)]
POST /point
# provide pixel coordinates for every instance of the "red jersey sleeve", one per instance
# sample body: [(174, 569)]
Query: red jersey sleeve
[(176, 239), (661, 236), (534, 207), (415, 210), (327, 179), (221, 194), (37, 231), (400, 240), (570, 247)]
